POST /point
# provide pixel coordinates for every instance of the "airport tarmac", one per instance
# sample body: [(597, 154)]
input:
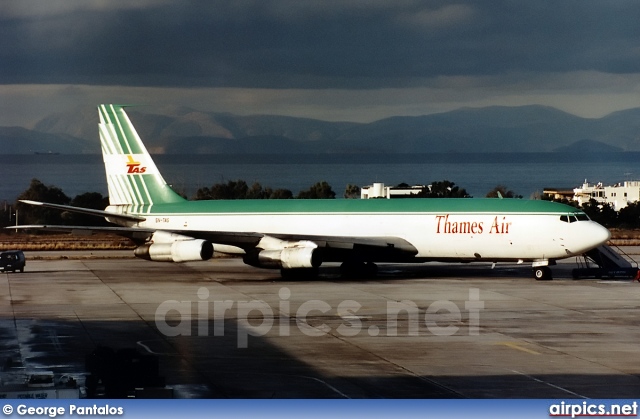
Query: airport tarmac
[(221, 329)]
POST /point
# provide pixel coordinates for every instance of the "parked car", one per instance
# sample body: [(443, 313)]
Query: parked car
[(12, 260)]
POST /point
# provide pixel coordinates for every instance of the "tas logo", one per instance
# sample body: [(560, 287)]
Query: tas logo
[(135, 166)]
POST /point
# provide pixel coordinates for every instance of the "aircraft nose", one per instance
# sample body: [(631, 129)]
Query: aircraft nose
[(601, 234), (595, 235)]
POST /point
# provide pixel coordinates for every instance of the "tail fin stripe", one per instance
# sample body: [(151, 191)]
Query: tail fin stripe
[(124, 194), (133, 197), (146, 191), (116, 134), (137, 147), (129, 194), (122, 137), (137, 184), (114, 192), (106, 147), (110, 135), (111, 139), (104, 136)]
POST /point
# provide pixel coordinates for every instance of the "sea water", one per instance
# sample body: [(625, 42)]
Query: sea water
[(524, 173)]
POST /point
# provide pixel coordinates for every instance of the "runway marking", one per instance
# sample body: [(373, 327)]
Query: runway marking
[(55, 341), (549, 384), (329, 386), (514, 345), (146, 348)]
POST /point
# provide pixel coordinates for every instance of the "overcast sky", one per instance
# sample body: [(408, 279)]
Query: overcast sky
[(326, 59)]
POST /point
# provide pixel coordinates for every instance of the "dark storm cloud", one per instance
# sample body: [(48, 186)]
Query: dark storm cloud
[(300, 44)]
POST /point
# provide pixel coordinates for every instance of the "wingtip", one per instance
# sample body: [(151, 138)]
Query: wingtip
[(28, 201)]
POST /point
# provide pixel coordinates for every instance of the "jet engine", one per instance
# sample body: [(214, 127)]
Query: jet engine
[(288, 258), (174, 248), (275, 253)]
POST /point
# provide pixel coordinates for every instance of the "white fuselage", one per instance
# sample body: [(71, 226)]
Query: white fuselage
[(436, 236)]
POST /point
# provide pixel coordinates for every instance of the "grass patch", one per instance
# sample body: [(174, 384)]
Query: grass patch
[(39, 242)]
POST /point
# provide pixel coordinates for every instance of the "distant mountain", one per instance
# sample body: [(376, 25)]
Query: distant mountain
[(588, 147), (490, 129), (262, 144), (18, 140), (79, 123), (163, 133), (621, 129)]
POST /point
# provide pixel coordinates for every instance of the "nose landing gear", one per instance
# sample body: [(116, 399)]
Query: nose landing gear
[(542, 273)]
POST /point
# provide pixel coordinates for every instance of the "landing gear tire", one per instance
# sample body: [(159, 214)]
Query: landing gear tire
[(542, 273), (299, 273), (371, 269), (356, 269)]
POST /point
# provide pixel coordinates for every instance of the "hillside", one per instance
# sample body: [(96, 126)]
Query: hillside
[(18, 140), (476, 130)]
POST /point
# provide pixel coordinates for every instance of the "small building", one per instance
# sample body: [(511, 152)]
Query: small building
[(378, 190), (618, 195), (559, 193)]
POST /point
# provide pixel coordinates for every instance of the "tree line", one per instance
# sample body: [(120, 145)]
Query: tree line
[(38, 191), (24, 214), (604, 214), (239, 189)]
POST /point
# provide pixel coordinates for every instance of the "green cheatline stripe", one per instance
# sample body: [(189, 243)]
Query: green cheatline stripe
[(439, 206)]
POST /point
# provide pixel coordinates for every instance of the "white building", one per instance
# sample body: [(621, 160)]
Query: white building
[(378, 190), (618, 195)]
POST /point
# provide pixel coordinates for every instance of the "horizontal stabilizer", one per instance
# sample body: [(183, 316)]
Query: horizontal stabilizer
[(97, 213)]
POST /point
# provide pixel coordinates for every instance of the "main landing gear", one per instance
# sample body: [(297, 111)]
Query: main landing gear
[(299, 274), (542, 273), (358, 269)]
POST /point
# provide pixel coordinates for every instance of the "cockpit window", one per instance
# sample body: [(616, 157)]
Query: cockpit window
[(572, 218)]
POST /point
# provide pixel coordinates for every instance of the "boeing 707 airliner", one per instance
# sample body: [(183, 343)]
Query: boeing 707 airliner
[(297, 236)]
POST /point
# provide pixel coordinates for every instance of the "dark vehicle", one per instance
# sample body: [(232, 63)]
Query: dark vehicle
[(12, 260)]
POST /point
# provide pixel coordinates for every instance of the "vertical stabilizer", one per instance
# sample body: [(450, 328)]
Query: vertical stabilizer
[(132, 176)]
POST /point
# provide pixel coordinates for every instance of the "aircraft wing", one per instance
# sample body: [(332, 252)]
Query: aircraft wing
[(334, 247), (381, 245), (379, 248)]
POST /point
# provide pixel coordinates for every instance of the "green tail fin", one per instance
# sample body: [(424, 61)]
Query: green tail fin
[(132, 176)]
